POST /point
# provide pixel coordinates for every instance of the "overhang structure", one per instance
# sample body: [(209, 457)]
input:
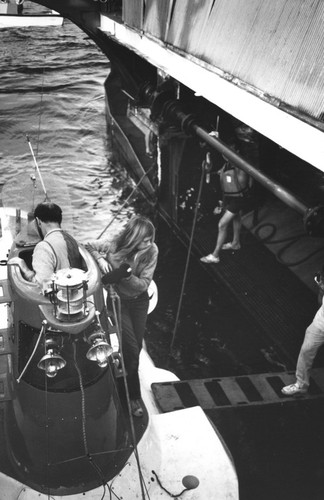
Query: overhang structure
[(260, 61)]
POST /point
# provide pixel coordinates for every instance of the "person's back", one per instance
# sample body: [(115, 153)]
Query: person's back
[(57, 250)]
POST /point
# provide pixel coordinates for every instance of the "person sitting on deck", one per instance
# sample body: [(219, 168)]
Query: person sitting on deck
[(235, 185), (314, 338), (57, 250)]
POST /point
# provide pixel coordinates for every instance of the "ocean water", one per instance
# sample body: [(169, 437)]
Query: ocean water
[(51, 89)]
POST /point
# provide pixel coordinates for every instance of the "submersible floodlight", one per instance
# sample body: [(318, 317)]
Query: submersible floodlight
[(100, 349), (52, 362), (69, 288)]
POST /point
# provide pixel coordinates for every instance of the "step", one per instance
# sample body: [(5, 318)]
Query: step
[(225, 392)]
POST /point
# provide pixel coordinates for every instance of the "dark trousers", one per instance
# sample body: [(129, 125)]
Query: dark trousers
[(133, 322)]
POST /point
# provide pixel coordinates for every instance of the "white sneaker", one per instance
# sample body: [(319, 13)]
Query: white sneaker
[(229, 246), (293, 390), (210, 259)]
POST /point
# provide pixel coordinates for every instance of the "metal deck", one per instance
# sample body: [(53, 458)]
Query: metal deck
[(246, 390), (270, 293)]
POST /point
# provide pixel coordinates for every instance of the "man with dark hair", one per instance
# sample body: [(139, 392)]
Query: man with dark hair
[(57, 250)]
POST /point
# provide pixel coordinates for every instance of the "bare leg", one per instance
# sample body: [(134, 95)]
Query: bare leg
[(237, 223), (222, 231)]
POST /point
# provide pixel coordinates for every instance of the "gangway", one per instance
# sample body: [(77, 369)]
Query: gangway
[(225, 392)]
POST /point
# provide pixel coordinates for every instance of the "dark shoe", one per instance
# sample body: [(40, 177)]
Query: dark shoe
[(136, 408), (293, 390)]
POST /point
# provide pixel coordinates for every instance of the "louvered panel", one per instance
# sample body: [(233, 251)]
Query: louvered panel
[(133, 13), (254, 40), (275, 47), (304, 88), (188, 23), (157, 17), (225, 34), (264, 56)]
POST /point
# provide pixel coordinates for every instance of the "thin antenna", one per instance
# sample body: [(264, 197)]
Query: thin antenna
[(36, 166), (217, 124)]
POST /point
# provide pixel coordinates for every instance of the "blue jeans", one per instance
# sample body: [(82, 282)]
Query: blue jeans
[(314, 338), (133, 319)]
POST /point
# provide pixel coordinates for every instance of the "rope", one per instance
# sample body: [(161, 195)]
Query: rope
[(84, 433), (37, 167), (43, 330), (125, 202), (117, 316), (83, 419), (40, 111), (47, 434), (188, 254), (176, 495)]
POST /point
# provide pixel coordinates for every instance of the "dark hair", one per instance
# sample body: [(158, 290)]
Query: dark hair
[(48, 212)]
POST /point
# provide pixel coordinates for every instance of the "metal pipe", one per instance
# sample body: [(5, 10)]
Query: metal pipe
[(162, 104), (279, 191)]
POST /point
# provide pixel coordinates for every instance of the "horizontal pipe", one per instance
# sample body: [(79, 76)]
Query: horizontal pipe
[(313, 217), (279, 191)]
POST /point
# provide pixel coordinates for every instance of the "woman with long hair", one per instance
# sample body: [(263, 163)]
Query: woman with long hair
[(133, 250)]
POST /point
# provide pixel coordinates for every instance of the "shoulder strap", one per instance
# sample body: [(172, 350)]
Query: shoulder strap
[(53, 253), (74, 255)]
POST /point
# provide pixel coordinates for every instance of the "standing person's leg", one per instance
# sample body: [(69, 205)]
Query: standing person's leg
[(222, 233), (130, 350), (237, 224), (138, 311), (134, 315), (314, 338), (235, 206)]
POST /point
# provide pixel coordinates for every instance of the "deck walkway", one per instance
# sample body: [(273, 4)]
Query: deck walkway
[(277, 297)]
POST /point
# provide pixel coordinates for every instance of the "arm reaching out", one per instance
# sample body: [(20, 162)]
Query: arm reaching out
[(124, 271)]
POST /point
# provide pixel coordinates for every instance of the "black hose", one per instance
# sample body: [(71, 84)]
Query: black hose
[(291, 240)]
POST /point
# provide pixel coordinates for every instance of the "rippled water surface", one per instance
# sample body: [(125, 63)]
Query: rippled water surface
[(51, 89)]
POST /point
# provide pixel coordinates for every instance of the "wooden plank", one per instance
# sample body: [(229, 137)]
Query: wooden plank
[(234, 391), (264, 388), (250, 390), (167, 397), (201, 393)]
